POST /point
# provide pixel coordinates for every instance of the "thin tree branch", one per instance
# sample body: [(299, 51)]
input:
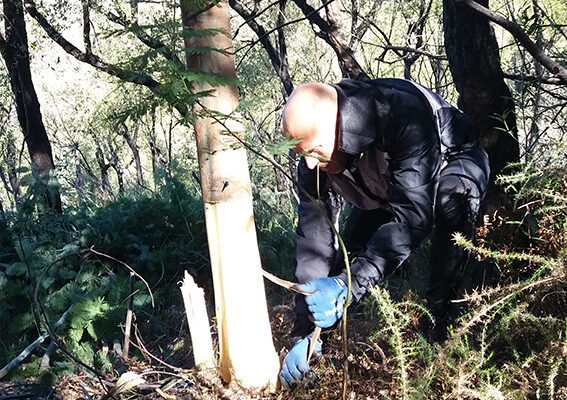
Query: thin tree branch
[(151, 42), (22, 356), (521, 36), (330, 32), (252, 44), (407, 49), (358, 32), (534, 79), (92, 250), (125, 75), (140, 346), (275, 58), (253, 15), (87, 26)]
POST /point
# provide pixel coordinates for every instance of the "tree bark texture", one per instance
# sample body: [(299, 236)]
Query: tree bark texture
[(247, 353), (474, 61), (16, 56), (330, 31)]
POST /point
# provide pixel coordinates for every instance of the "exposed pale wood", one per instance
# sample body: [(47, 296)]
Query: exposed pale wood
[(198, 320), (128, 323), (247, 353)]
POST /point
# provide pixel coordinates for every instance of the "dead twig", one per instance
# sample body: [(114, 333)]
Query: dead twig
[(92, 250), (140, 346), (21, 357)]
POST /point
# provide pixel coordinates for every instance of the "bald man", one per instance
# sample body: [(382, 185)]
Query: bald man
[(407, 162)]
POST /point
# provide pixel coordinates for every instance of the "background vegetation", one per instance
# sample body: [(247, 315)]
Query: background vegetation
[(121, 195)]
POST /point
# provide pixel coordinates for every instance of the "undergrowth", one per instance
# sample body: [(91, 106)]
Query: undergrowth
[(511, 340), (79, 262)]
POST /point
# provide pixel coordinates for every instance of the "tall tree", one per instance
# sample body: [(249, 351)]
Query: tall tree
[(15, 52), (474, 61), (247, 353)]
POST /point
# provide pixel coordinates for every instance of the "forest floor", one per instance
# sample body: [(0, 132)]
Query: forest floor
[(370, 372)]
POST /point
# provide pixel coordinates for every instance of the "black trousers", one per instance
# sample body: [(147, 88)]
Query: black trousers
[(461, 187)]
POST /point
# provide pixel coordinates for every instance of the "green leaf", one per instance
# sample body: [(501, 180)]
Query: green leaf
[(91, 331), (70, 248), (204, 77), (21, 322), (282, 147), (16, 269)]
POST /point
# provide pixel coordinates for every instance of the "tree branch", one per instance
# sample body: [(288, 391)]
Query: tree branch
[(358, 31), (137, 77), (330, 33), (407, 49), (87, 26), (151, 42), (274, 56), (22, 356), (522, 37), (534, 79)]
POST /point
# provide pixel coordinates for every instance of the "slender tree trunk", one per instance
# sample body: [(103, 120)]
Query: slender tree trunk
[(11, 181), (105, 182), (247, 354), (131, 140), (474, 60), (78, 174), (6, 185), (156, 153), (115, 164), (16, 56)]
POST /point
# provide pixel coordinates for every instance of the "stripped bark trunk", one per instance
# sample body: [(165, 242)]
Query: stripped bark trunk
[(247, 354)]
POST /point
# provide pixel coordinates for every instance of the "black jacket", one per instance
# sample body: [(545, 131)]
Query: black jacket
[(398, 135)]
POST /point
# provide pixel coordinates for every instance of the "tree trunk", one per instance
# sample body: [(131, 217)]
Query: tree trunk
[(105, 182), (11, 182), (247, 354), (474, 61), (16, 56), (115, 164), (131, 140), (78, 175)]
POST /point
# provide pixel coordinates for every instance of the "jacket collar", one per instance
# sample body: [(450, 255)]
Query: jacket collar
[(362, 115)]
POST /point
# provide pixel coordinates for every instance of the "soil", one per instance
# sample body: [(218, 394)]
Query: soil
[(369, 371)]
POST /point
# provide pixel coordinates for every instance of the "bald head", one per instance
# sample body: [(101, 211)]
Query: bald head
[(310, 115), (310, 109)]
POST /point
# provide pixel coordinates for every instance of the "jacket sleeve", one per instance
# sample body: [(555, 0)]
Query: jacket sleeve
[(316, 244), (414, 166)]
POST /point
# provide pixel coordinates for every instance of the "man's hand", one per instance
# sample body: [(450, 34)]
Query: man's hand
[(327, 301), (295, 366)]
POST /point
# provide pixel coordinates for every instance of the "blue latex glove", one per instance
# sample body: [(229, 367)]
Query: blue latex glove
[(295, 367), (327, 300)]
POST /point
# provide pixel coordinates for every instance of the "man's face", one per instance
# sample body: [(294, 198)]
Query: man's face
[(321, 151)]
